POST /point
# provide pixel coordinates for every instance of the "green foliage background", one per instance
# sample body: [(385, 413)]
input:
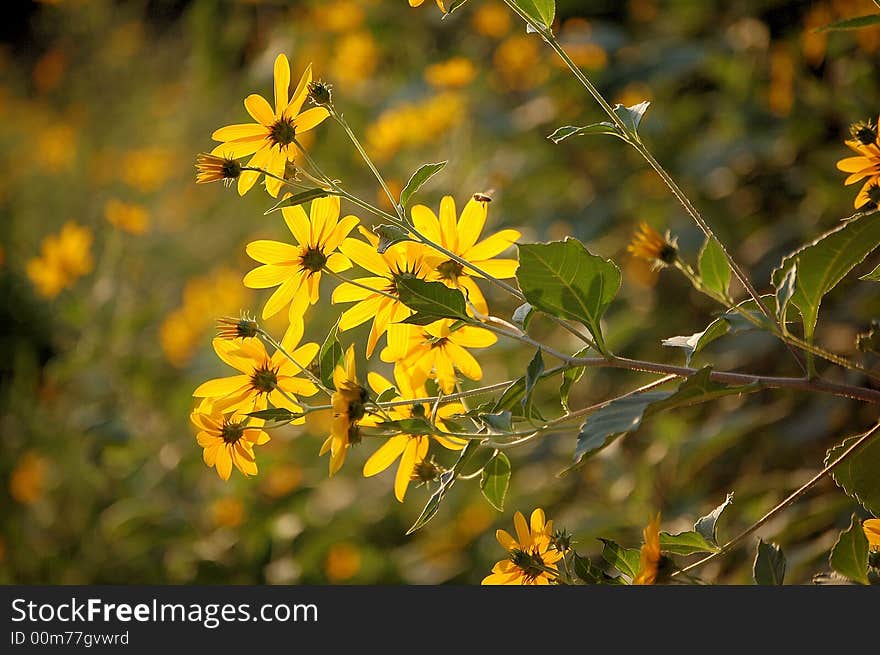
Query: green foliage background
[(749, 112)]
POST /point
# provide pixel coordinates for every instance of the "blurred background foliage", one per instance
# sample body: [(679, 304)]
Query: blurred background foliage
[(107, 322)]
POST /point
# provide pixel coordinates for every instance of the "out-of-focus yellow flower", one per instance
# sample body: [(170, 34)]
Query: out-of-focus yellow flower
[(531, 560), (492, 19), (632, 94), (412, 449), (649, 556), (418, 3), (296, 269), (64, 258), (204, 297), (376, 297), (281, 480), (865, 142), (780, 89), (518, 62), (227, 512), (338, 16), (28, 480), (576, 36), (349, 410), (452, 73), (871, 527), (461, 236), (129, 217), (228, 440), (56, 147), (437, 351), (147, 169), (413, 124), (49, 69), (271, 139), (343, 562), (356, 56), (649, 245)]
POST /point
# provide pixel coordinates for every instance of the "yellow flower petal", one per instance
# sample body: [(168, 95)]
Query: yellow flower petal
[(385, 456), (259, 109), (470, 224), (298, 224), (239, 131), (282, 84), (491, 246), (272, 252), (310, 118)]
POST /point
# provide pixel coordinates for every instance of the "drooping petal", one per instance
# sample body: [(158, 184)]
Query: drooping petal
[(473, 294), (360, 313), (282, 295), (467, 365), (224, 462), (267, 276), (415, 450)]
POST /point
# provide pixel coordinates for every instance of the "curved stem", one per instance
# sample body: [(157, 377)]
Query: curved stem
[(727, 547)]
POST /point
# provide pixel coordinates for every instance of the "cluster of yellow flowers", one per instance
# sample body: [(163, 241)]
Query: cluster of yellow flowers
[(64, 258), (323, 245), (393, 129)]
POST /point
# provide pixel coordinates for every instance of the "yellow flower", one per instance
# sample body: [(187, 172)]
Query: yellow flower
[(349, 410), (63, 259), (296, 269), (461, 237), (866, 144), (129, 217), (262, 379), (210, 168), (343, 562), (649, 557), (436, 350), (532, 559), (452, 73), (418, 3), (871, 528), (377, 298), (271, 139), (28, 480), (647, 244), (227, 512), (492, 19), (410, 448), (229, 439)]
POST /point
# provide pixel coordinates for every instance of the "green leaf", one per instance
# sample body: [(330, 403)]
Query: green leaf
[(447, 479), (298, 199), (453, 6), (389, 235), (586, 571), (499, 423), (714, 267), (625, 415), (541, 11), (562, 133), (570, 377), (685, 543), (849, 556), (418, 179), (495, 480), (769, 567), (707, 525), (731, 322), (415, 425), (851, 23), (510, 399), (431, 299), (822, 264), (564, 279), (389, 394), (873, 276), (534, 371), (329, 356), (276, 415), (785, 291), (859, 474), (625, 560), (632, 116)]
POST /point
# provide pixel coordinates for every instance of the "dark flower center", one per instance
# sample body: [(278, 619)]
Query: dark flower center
[(313, 260), (530, 563), (439, 342), (231, 431), (408, 273), (450, 270), (282, 132), (667, 253), (865, 132), (264, 379)]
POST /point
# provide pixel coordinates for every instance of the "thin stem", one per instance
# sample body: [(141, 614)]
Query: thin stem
[(788, 501), (311, 376), (346, 280)]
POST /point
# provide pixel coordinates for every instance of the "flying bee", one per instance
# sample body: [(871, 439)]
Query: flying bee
[(485, 196)]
